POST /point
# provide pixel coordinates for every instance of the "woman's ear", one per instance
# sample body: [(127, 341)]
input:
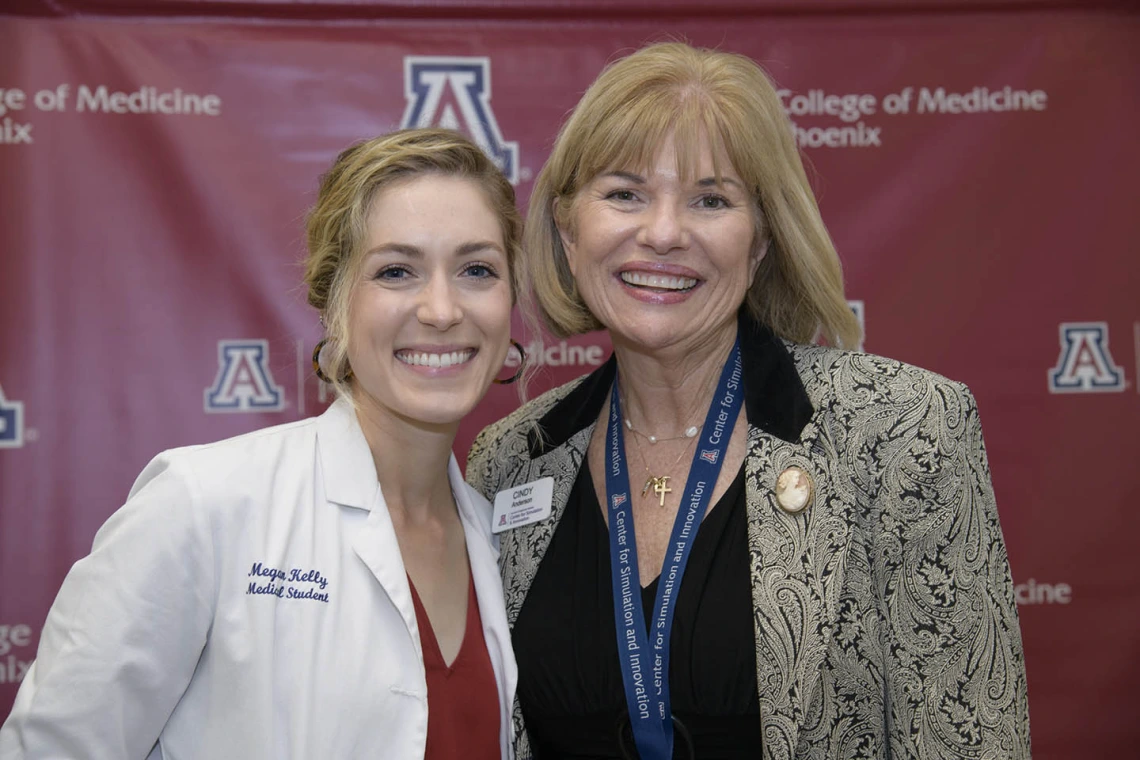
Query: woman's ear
[(558, 216), (759, 251)]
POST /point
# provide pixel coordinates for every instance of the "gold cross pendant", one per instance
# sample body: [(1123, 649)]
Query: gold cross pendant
[(661, 487)]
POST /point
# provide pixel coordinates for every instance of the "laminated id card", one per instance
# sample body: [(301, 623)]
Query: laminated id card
[(522, 505)]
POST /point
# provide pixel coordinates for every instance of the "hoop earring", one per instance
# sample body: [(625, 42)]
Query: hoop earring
[(317, 361), (320, 373), (519, 371)]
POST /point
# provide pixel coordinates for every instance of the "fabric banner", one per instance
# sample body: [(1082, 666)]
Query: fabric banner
[(975, 165)]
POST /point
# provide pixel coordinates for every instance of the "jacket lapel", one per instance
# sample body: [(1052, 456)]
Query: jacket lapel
[(522, 549), (797, 566)]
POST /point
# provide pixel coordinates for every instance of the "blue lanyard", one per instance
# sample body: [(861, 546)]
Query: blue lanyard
[(645, 664)]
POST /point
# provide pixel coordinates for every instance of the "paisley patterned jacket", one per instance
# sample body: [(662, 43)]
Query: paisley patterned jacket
[(884, 612)]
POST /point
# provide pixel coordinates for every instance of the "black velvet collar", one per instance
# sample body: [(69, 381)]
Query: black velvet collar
[(774, 397)]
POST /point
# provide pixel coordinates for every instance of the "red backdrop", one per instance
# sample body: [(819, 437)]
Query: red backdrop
[(150, 243)]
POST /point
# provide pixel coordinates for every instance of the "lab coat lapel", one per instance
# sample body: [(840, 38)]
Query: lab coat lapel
[(349, 477), (347, 470), (378, 548)]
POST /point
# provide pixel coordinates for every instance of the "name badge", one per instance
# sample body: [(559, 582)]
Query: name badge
[(522, 505)]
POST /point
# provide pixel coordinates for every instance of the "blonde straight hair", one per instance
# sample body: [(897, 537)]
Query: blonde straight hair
[(621, 122)]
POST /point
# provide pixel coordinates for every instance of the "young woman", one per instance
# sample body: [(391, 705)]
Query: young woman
[(326, 588)]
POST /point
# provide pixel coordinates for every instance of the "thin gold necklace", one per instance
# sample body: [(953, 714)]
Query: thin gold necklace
[(659, 483)]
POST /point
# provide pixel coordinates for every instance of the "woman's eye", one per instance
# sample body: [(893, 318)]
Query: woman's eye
[(393, 273), (714, 202), (480, 271), (621, 195)]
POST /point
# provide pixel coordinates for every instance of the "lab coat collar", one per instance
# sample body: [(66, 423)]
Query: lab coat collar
[(476, 521), (349, 474)]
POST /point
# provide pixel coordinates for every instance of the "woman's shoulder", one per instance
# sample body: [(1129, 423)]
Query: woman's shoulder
[(245, 449), (221, 471), (888, 410), (885, 402), (855, 380), (506, 445), (522, 421)]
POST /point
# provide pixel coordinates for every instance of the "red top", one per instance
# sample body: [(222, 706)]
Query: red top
[(463, 700)]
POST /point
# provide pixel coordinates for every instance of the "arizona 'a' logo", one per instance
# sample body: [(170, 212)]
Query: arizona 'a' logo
[(244, 383), (1085, 365), (11, 423), (455, 93)]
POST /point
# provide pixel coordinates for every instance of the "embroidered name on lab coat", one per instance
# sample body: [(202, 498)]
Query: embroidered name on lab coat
[(295, 583)]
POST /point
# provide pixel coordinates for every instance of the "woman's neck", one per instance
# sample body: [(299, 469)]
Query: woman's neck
[(411, 460), (663, 394)]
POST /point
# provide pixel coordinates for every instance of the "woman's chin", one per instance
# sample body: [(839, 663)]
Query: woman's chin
[(664, 336), (440, 408), (436, 417)]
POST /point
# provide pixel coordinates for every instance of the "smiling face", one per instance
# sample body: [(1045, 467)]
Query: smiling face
[(662, 260), (430, 310)]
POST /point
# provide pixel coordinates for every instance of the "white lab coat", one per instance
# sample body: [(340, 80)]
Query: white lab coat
[(156, 647)]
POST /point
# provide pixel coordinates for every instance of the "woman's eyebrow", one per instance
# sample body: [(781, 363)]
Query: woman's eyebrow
[(478, 245), (626, 176), (403, 249), (711, 181)]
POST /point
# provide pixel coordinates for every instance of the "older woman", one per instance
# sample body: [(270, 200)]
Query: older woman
[(326, 588), (753, 541)]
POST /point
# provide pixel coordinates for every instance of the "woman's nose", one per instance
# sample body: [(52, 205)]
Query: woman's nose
[(439, 304), (664, 229)]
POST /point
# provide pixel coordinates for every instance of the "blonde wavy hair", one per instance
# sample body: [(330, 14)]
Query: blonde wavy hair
[(336, 225), (673, 89)]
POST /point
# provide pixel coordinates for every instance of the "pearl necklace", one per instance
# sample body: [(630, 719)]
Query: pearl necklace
[(690, 432)]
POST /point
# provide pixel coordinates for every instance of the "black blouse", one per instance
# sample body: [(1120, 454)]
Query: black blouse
[(570, 684)]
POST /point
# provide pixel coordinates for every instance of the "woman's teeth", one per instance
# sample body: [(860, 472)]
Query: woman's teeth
[(422, 359), (661, 282)]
